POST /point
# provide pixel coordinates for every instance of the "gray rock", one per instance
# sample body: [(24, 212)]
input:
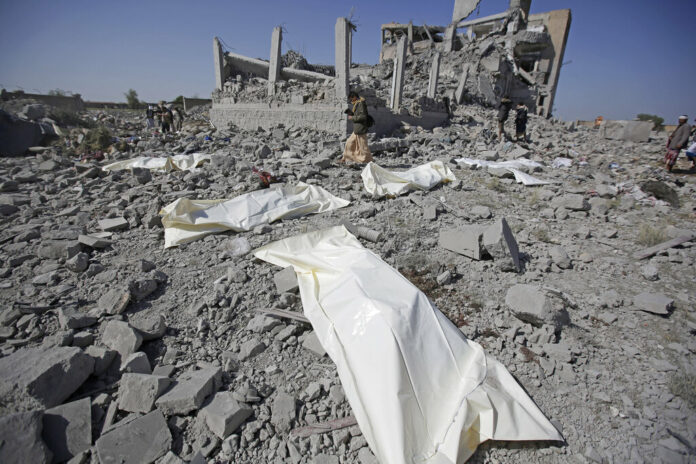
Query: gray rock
[(650, 272), (283, 411), (102, 358), (251, 348), (120, 336), (444, 278), (138, 392), (78, 263), (531, 304), (224, 415), (571, 201), (67, 429), (114, 301), (20, 439), (325, 459), (114, 224), (74, 319), (190, 390), (481, 212), (286, 280), (140, 441), (500, 243), (365, 456), (94, 242), (655, 303), (142, 288), (261, 323), (48, 376), (467, 241), (150, 326), (136, 363), (559, 256), (311, 343), (83, 339)]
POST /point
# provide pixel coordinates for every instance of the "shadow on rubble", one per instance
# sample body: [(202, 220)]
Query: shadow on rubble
[(482, 452)]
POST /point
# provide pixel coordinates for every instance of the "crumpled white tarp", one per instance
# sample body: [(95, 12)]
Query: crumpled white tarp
[(164, 163), (561, 162), (187, 220), (380, 182), (513, 166), (420, 391)]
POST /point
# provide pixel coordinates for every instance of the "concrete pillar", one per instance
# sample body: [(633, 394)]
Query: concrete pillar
[(448, 42), (459, 93), (398, 75), (350, 46), (342, 33), (274, 68), (434, 75), (219, 64)]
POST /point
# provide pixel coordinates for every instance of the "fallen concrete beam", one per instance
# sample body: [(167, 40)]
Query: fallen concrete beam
[(648, 252), (261, 68)]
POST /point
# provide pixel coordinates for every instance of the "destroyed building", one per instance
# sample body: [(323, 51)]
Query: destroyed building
[(526, 64)]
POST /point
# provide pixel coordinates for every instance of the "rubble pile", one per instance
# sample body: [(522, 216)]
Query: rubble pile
[(115, 349)]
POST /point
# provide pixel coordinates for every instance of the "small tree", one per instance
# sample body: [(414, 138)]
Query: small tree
[(656, 120), (132, 99), (58, 92), (179, 101)]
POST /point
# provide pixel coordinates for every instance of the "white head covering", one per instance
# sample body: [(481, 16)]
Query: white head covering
[(683, 116)]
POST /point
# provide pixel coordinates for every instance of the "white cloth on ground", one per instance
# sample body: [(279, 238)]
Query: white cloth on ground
[(187, 220), (380, 182), (164, 163), (513, 166), (420, 391)]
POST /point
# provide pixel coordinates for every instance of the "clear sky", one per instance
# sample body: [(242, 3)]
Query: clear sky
[(623, 56)]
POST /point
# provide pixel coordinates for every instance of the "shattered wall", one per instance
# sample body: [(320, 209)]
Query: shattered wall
[(68, 103)]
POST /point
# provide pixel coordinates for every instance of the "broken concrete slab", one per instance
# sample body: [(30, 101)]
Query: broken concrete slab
[(286, 280), (147, 438), (74, 319), (102, 358), (138, 392), (151, 326), (94, 242), (311, 343), (571, 201), (46, 377), (633, 131), (224, 415), (500, 243), (20, 439), (120, 336), (283, 411), (113, 224), (467, 241), (251, 348), (136, 363), (114, 301), (67, 429), (655, 303), (534, 305), (262, 323), (190, 390)]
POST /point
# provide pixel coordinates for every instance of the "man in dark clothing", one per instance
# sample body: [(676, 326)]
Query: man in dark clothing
[(521, 122), (356, 145), (676, 142), (504, 108)]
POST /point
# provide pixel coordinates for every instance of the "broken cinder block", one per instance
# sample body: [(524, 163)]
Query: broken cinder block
[(224, 415), (138, 392), (190, 390), (286, 280), (142, 440)]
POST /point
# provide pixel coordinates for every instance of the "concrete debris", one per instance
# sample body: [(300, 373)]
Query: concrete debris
[(142, 440), (224, 415), (653, 303), (138, 392), (20, 438), (67, 429), (45, 377), (189, 391), (536, 306), (285, 280), (121, 337)]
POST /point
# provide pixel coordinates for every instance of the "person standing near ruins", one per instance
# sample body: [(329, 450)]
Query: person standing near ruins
[(504, 108), (521, 122), (166, 116), (178, 118), (677, 141), (356, 146), (150, 117)]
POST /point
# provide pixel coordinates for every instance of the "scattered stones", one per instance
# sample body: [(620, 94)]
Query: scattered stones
[(147, 438)]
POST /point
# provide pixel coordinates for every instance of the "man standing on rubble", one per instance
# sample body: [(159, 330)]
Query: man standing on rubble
[(676, 142), (356, 146), (521, 122), (504, 108)]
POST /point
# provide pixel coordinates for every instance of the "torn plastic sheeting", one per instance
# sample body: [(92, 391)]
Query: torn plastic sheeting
[(187, 220), (513, 166), (560, 162), (380, 182), (167, 163), (420, 391)]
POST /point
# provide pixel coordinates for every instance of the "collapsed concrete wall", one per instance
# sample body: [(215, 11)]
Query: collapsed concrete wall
[(634, 131), (69, 103)]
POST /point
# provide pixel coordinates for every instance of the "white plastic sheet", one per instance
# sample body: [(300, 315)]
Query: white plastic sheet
[(561, 162), (187, 220), (380, 182), (513, 166), (165, 163), (420, 391)]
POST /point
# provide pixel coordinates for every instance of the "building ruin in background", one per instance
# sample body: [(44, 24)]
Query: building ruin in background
[(512, 53)]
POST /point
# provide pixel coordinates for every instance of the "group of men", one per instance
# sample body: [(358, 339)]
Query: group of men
[(680, 139), (170, 118)]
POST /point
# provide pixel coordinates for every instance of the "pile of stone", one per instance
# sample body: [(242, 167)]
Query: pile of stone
[(115, 350)]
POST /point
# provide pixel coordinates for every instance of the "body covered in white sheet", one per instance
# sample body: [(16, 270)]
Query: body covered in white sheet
[(421, 392)]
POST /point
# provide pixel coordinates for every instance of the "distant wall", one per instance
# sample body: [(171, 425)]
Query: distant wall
[(251, 116), (71, 103), (193, 102)]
